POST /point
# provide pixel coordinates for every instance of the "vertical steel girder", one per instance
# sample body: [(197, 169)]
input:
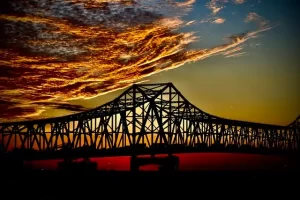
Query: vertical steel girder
[(150, 114)]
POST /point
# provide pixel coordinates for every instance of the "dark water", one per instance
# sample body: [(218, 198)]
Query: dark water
[(192, 161)]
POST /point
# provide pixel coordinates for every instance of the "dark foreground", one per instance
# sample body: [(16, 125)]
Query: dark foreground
[(223, 176), (140, 185)]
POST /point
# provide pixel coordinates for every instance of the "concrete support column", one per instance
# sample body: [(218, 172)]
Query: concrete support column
[(134, 167)]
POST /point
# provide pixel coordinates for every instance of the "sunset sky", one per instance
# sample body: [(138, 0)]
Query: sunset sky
[(237, 59)]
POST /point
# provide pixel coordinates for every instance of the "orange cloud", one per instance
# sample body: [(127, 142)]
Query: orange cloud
[(234, 50), (62, 50), (239, 1), (214, 6), (219, 20)]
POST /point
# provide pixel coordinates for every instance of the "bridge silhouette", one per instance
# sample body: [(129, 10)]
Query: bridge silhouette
[(144, 119)]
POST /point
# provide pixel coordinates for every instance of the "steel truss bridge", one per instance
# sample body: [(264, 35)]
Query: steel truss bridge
[(145, 119)]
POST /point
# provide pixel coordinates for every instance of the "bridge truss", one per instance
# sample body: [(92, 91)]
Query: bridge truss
[(149, 114)]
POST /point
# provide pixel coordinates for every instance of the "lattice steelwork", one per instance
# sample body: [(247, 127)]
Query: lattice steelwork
[(150, 114)]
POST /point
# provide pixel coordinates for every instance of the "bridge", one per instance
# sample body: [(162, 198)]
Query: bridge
[(144, 119)]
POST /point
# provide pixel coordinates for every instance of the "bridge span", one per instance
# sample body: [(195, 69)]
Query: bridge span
[(155, 117)]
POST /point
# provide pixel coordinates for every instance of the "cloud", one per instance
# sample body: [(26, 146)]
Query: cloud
[(217, 5), (259, 20), (239, 1), (234, 50), (63, 106), (10, 109), (52, 52), (218, 20), (185, 3), (190, 22), (234, 55), (213, 20), (214, 5), (254, 45), (205, 20)]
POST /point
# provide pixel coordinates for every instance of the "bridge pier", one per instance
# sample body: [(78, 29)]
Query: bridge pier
[(134, 167), (169, 163)]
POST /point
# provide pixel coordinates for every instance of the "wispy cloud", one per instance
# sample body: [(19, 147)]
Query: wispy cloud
[(254, 17), (213, 20), (235, 55), (254, 45), (56, 51), (219, 20), (185, 3), (215, 5), (190, 22), (239, 1), (232, 50)]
